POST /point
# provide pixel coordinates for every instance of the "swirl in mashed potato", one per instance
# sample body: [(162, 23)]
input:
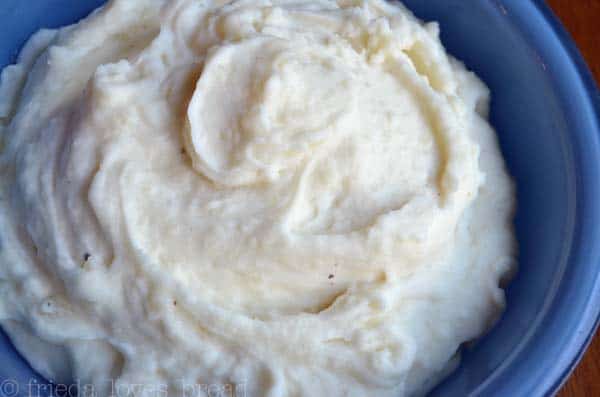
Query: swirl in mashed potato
[(301, 197)]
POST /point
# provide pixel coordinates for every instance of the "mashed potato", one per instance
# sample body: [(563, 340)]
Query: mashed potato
[(293, 198)]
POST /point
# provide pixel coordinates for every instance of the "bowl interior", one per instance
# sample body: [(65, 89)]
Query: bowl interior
[(535, 141), (547, 129)]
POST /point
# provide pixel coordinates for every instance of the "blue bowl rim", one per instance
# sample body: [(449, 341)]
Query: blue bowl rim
[(591, 320)]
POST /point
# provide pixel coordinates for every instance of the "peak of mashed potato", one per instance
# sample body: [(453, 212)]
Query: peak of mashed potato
[(297, 198)]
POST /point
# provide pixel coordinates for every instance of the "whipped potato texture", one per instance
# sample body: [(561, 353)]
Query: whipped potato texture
[(298, 198)]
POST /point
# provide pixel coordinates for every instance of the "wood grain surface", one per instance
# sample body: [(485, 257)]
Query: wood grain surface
[(582, 20)]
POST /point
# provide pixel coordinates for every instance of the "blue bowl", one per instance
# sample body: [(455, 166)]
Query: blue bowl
[(546, 111)]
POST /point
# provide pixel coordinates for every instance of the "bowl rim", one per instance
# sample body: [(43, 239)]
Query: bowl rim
[(590, 320)]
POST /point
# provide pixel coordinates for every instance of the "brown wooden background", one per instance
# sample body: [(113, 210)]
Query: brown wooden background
[(582, 19)]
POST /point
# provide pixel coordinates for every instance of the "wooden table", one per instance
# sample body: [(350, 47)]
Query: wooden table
[(582, 19)]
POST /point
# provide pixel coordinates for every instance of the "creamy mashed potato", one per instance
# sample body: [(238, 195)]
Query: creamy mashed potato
[(300, 198)]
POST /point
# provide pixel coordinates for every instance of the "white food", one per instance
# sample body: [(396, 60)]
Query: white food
[(301, 197)]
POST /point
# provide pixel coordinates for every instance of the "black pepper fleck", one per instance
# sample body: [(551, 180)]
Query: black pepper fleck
[(86, 256), (330, 276)]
